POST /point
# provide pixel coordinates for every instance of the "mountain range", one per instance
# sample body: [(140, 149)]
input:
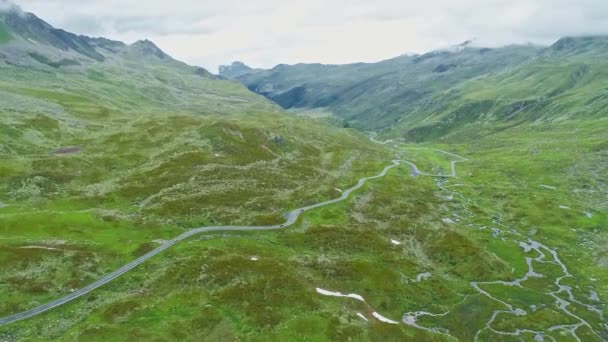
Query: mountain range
[(461, 89), (134, 108), (25, 35)]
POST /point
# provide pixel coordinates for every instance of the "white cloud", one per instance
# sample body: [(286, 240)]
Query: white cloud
[(268, 32), (8, 5)]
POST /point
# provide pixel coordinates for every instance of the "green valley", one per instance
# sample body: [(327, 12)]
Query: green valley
[(457, 195)]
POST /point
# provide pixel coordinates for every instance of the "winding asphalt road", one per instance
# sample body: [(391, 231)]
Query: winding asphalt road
[(413, 167), (291, 217)]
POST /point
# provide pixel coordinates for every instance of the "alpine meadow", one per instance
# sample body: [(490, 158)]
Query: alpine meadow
[(459, 194)]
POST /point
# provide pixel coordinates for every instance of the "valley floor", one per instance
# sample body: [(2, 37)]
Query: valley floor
[(513, 247)]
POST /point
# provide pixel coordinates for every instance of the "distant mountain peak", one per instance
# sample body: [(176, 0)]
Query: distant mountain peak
[(32, 36), (29, 27), (148, 48), (579, 45), (239, 64), (235, 70), (462, 46), (146, 42)]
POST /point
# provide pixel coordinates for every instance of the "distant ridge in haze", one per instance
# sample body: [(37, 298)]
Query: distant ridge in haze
[(441, 92), (27, 40), (236, 69)]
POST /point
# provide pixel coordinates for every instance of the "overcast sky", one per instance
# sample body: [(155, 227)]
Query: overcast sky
[(264, 33)]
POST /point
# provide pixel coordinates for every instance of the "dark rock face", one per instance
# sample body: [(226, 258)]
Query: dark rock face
[(430, 55), (519, 106), (279, 140), (444, 67), (291, 98)]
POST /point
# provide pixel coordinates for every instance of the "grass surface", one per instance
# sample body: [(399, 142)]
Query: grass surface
[(209, 287)]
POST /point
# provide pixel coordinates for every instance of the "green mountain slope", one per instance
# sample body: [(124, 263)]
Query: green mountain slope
[(566, 82), (429, 96), (5, 36), (374, 96), (139, 122)]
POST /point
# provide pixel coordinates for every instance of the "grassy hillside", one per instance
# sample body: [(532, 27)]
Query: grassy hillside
[(161, 140), (378, 95), (444, 92), (5, 35), (403, 243), (549, 90)]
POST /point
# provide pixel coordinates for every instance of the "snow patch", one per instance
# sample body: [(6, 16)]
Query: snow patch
[(362, 317), (395, 242), (254, 258), (563, 207), (588, 214), (594, 296), (548, 187), (448, 220), (339, 294), (383, 319), (519, 312), (339, 190), (423, 276)]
